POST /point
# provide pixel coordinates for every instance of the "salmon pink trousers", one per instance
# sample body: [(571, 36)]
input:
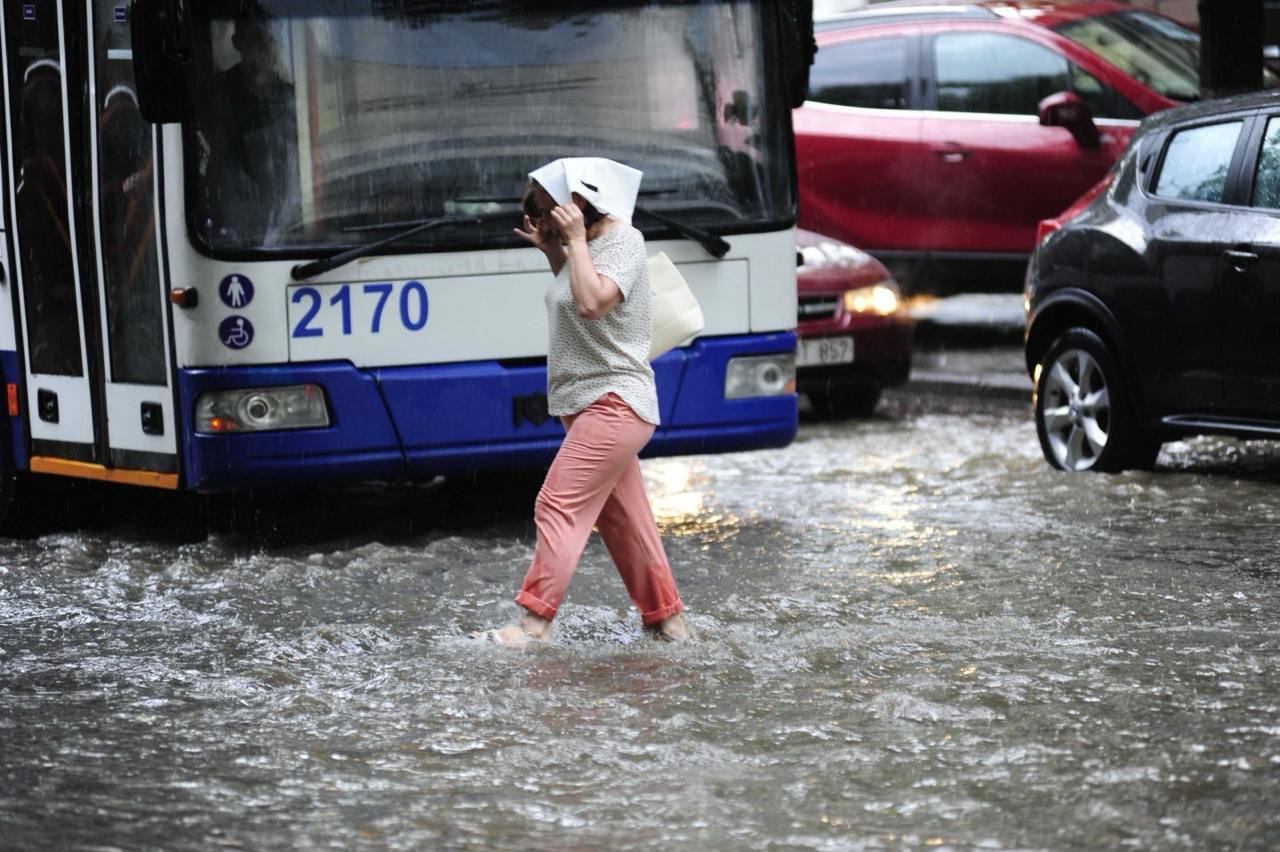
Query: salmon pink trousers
[(595, 481)]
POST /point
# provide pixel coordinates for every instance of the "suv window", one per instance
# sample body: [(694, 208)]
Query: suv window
[(1103, 101), (865, 73), (1266, 184), (990, 72), (1155, 51), (1196, 162)]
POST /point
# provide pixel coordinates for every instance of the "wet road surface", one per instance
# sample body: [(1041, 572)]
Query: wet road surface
[(911, 633)]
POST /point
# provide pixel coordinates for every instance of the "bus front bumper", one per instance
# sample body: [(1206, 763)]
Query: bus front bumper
[(419, 422)]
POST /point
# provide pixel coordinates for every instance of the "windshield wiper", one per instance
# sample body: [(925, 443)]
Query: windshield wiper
[(303, 271), (715, 245)]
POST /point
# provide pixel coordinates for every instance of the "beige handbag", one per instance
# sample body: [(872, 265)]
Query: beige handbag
[(676, 315)]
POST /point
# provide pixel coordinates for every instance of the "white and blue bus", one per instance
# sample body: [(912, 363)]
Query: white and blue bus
[(267, 243)]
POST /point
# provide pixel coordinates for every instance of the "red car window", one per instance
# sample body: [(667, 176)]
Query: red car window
[(1103, 101), (1155, 51), (863, 73), (989, 72)]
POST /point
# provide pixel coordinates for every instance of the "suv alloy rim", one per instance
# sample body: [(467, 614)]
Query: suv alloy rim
[(1076, 410)]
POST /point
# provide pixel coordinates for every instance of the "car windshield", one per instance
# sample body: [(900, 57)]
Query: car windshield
[(321, 119), (1155, 51)]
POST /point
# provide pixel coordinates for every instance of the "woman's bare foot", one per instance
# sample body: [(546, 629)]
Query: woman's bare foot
[(671, 629), (517, 636)]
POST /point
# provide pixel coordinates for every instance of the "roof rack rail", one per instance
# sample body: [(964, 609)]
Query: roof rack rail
[(892, 13)]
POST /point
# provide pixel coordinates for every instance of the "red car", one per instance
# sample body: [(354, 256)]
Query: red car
[(855, 337), (937, 136)]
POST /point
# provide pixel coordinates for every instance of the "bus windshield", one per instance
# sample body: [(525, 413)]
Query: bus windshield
[(319, 121)]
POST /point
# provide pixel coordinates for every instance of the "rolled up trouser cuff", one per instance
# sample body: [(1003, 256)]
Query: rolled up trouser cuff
[(540, 608), (653, 617)]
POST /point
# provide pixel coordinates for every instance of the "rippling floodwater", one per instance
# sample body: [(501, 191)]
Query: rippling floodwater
[(911, 633)]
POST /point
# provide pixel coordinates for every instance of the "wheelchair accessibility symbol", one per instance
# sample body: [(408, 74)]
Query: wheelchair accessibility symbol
[(235, 332)]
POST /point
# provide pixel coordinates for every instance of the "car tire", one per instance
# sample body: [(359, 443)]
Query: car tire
[(843, 404), (1083, 411)]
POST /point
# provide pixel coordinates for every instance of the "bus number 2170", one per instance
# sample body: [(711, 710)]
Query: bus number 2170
[(362, 308)]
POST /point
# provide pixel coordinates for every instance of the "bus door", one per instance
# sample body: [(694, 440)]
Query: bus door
[(82, 189)]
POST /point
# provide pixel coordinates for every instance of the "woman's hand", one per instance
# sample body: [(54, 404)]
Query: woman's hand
[(545, 241), (536, 237), (569, 222)]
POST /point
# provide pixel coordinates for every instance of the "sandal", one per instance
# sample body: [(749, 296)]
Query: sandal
[(494, 636)]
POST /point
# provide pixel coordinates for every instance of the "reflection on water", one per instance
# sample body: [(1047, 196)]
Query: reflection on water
[(912, 633), (681, 495)]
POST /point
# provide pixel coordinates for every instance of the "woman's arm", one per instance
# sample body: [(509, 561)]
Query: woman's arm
[(594, 294)]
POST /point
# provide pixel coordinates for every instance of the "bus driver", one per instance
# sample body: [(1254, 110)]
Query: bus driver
[(249, 141)]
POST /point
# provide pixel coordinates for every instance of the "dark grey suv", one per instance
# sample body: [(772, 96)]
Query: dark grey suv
[(1154, 311)]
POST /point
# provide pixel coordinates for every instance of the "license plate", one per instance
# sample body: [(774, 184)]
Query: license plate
[(825, 350)]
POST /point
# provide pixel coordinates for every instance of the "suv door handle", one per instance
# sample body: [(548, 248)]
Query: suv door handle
[(951, 153), (1240, 260)]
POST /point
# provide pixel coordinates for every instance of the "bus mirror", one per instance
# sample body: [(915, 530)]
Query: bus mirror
[(798, 46), (161, 47)]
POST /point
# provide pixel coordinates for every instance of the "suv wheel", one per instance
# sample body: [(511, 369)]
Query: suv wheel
[(1083, 414)]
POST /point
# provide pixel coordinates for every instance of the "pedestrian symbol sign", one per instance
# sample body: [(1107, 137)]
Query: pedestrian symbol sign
[(236, 291)]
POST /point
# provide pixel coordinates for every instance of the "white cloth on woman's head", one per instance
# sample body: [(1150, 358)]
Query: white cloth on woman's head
[(610, 187)]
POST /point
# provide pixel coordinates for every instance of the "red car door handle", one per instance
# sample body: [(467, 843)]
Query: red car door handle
[(1240, 260), (951, 153)]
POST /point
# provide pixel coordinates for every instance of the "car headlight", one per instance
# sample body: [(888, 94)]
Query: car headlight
[(760, 375), (832, 253), (261, 409), (881, 299)]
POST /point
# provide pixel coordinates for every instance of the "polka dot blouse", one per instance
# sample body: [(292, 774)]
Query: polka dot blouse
[(590, 358)]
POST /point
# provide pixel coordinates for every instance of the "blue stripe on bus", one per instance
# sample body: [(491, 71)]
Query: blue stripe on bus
[(17, 449), (460, 416), (703, 421), (418, 422)]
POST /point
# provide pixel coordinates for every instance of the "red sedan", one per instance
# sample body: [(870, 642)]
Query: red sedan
[(937, 136), (855, 337)]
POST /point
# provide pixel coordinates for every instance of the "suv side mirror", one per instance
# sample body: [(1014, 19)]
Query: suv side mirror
[(1069, 110), (162, 39)]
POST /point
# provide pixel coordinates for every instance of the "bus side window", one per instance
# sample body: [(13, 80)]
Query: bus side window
[(131, 267), (40, 217)]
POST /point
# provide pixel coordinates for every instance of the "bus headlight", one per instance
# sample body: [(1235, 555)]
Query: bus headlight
[(261, 409), (760, 375)]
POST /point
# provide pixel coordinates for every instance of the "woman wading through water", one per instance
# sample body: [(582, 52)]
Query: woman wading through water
[(599, 383)]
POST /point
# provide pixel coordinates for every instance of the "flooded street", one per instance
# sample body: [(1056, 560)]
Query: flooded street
[(911, 632)]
